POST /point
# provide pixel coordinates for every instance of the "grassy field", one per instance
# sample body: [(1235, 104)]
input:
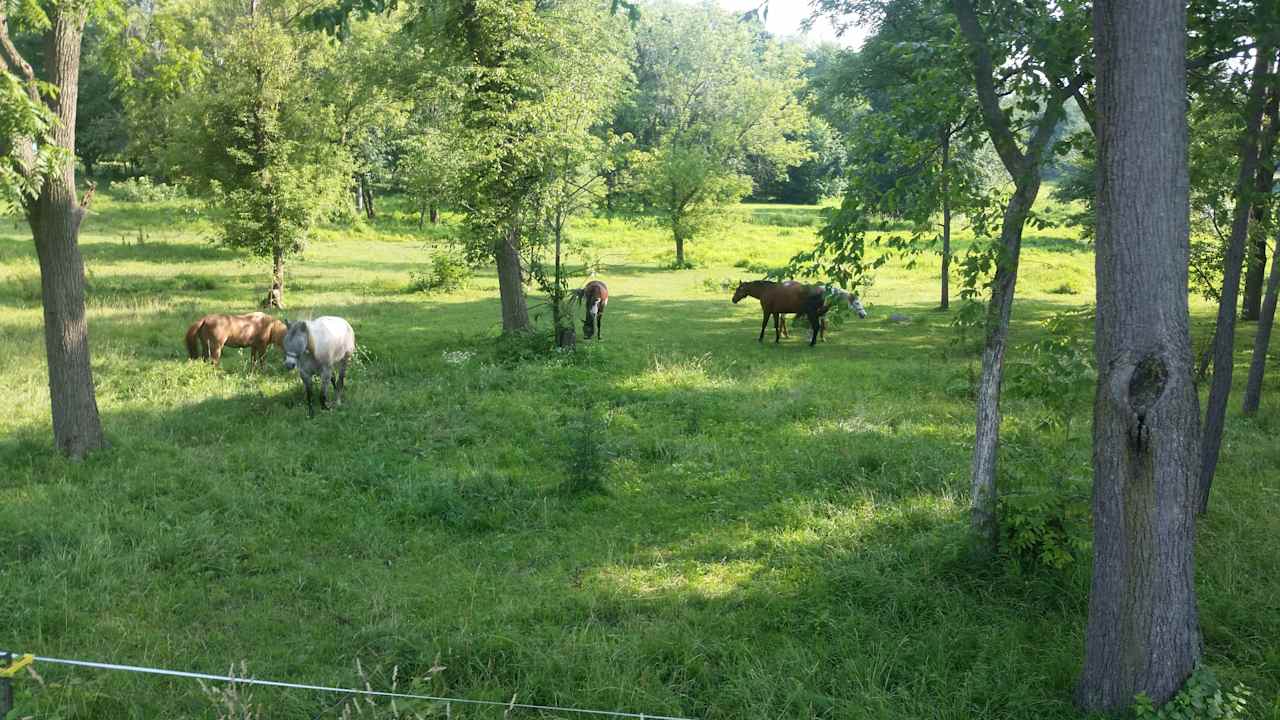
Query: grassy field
[(777, 531)]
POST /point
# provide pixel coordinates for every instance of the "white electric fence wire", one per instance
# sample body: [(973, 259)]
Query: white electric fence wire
[(324, 688)]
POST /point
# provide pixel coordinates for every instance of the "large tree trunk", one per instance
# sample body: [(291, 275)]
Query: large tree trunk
[(55, 218), (515, 310), (679, 251), (1262, 340), (946, 220), (986, 444), (1224, 338), (1143, 634), (1256, 260)]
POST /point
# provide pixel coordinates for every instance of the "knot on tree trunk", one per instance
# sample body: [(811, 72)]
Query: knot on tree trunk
[(1147, 382)]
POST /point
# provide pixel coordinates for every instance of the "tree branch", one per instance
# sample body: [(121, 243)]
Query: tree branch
[(1002, 136), (15, 58)]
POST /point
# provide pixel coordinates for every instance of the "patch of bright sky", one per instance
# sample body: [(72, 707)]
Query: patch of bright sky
[(786, 17)]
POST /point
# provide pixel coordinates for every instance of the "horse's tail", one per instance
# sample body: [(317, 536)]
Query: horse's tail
[(193, 339)]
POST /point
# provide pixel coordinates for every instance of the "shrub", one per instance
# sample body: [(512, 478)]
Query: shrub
[(142, 189), (719, 285), (587, 459), (448, 272), (1066, 288), (1201, 698), (1060, 366), (1044, 526)]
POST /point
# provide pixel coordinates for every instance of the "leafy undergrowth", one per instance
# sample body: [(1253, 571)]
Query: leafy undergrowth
[(675, 520)]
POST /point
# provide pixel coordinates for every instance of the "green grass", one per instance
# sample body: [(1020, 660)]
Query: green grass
[(776, 531)]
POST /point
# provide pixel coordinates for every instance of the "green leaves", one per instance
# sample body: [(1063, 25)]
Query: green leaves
[(26, 155), (714, 100), (1201, 698), (261, 137)]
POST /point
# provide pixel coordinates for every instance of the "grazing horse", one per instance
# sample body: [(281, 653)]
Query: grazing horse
[(833, 296), (777, 299), (314, 347), (207, 336), (595, 295)]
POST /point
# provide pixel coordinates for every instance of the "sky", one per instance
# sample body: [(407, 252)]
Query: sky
[(785, 17)]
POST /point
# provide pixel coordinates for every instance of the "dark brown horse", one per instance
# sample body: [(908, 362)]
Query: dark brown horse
[(777, 299), (207, 336), (595, 295), (832, 296)]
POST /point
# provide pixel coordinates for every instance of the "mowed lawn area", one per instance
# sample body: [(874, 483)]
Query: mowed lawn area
[(676, 520)]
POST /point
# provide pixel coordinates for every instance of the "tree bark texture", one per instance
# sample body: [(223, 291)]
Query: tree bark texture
[(1262, 339), (275, 296), (55, 217), (366, 189), (679, 251), (1224, 338), (515, 311), (1143, 632), (945, 302), (986, 444), (1264, 181)]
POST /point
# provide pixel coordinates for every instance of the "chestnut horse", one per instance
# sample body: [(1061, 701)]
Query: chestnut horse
[(789, 297), (595, 295), (207, 336)]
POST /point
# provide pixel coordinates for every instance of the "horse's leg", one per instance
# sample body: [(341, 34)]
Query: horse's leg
[(600, 323), (777, 332), (215, 352), (342, 380), (326, 376), (815, 322), (306, 383), (763, 325)]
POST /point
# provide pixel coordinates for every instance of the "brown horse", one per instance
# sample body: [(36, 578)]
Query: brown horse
[(831, 297), (789, 297), (595, 295), (207, 336)]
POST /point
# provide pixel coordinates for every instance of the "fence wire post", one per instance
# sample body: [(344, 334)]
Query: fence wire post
[(448, 711), (6, 687)]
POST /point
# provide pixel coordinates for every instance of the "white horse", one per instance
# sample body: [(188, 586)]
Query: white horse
[(314, 347)]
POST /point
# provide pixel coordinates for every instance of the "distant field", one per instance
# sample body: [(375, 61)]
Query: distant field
[(777, 531)]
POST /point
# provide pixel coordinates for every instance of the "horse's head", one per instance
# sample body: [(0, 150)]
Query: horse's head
[(856, 305), (589, 323), (296, 342), (740, 293)]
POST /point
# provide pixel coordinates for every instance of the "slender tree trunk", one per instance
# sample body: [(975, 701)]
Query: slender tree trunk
[(358, 190), (434, 214), (55, 217), (1224, 339), (275, 296), (1256, 262), (1024, 168), (422, 216), (679, 251), (515, 310), (366, 188), (1262, 340), (1143, 633), (946, 220), (986, 444)]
